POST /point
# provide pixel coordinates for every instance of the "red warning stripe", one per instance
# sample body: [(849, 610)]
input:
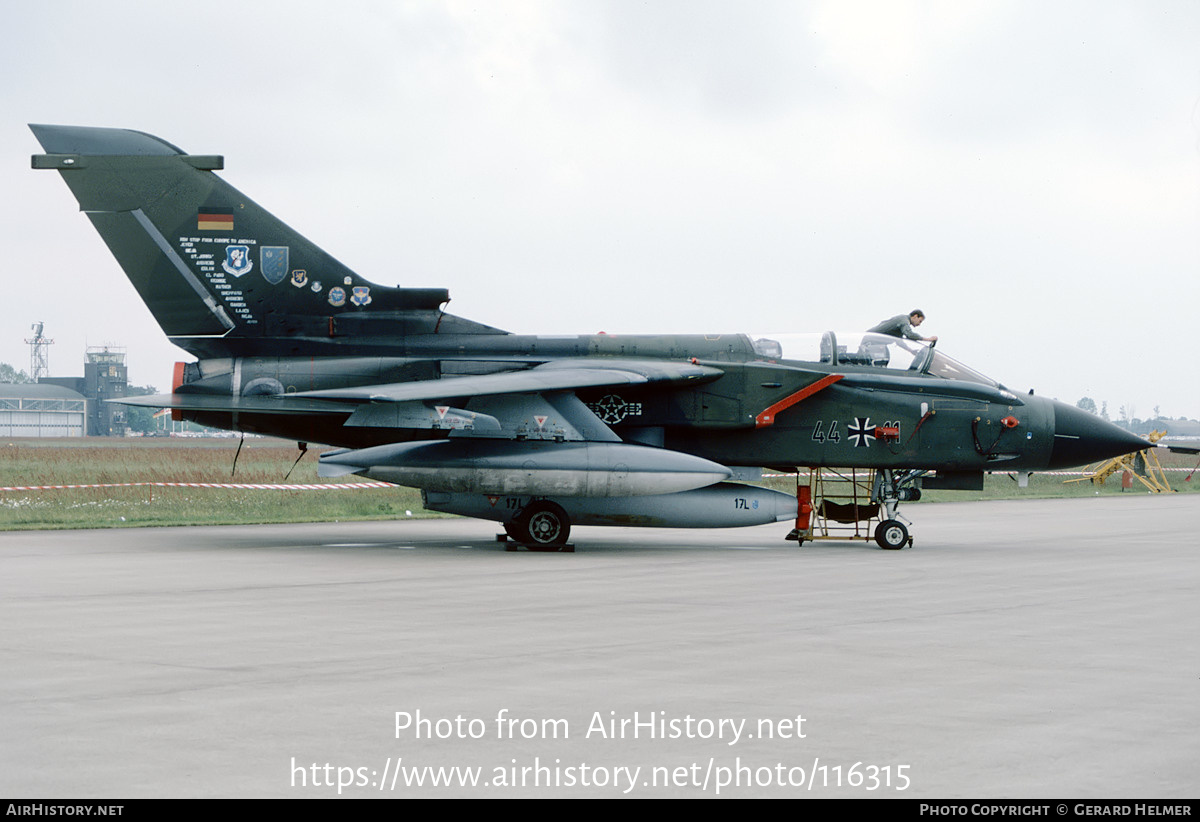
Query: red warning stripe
[(767, 417)]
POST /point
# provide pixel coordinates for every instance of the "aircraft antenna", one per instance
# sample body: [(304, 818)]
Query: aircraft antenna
[(237, 454), (303, 450), (39, 353)]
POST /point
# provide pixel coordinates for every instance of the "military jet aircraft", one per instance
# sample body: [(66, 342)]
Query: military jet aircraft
[(537, 433)]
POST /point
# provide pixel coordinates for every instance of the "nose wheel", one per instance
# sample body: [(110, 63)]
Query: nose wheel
[(891, 535)]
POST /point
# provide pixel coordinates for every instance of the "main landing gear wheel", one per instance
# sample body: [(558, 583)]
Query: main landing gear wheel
[(542, 526), (892, 535)]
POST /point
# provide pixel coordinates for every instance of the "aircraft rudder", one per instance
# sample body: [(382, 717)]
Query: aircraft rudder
[(206, 259)]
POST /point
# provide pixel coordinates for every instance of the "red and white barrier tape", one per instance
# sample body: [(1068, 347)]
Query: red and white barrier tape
[(247, 485), (1009, 473)]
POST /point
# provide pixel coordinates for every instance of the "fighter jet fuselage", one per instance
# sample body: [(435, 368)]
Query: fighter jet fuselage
[(534, 432)]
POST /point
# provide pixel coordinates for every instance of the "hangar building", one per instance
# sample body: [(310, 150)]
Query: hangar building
[(41, 410)]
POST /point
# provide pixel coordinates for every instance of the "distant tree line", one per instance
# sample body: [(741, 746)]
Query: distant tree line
[(137, 417), (1127, 418), (11, 375)]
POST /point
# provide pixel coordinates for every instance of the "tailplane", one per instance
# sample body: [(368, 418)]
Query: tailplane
[(214, 267)]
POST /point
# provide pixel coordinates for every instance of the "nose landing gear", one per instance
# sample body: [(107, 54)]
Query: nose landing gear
[(890, 489)]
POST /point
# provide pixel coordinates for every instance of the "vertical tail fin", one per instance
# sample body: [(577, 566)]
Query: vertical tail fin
[(207, 260)]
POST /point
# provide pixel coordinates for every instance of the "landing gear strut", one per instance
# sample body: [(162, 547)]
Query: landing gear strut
[(890, 489)]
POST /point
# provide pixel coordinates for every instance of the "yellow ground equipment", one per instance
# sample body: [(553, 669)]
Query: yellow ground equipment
[(1141, 465)]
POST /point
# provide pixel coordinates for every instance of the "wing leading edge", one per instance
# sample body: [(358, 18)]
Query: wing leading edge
[(538, 402), (557, 375)]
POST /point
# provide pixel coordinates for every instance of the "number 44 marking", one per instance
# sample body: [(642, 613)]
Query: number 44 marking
[(830, 433), (833, 436)]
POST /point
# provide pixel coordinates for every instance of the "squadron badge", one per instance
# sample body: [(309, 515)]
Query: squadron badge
[(237, 260), (337, 296), (612, 409), (274, 260)]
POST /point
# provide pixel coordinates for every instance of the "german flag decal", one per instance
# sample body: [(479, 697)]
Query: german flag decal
[(215, 219)]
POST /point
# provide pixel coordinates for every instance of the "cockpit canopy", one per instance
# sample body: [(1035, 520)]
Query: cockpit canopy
[(866, 350)]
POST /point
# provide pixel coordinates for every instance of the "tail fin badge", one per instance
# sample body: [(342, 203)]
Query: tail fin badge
[(274, 263), (237, 260)]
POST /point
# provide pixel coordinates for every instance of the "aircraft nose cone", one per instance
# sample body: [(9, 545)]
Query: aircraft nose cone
[(1081, 437)]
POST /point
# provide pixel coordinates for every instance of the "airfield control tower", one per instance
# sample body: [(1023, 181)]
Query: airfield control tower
[(105, 376)]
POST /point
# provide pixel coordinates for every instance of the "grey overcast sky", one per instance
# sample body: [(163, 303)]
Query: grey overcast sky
[(1028, 173)]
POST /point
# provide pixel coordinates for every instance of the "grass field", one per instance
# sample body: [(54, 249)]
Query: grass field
[(117, 461), (103, 460)]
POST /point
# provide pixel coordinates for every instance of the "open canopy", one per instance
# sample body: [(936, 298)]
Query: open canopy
[(864, 349)]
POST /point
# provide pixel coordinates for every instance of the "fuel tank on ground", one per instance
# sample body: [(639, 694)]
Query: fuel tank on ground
[(724, 505), (541, 468)]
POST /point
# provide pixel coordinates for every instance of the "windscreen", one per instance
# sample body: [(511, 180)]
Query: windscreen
[(867, 350)]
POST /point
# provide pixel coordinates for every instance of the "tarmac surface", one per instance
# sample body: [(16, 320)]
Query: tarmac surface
[(1024, 649)]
